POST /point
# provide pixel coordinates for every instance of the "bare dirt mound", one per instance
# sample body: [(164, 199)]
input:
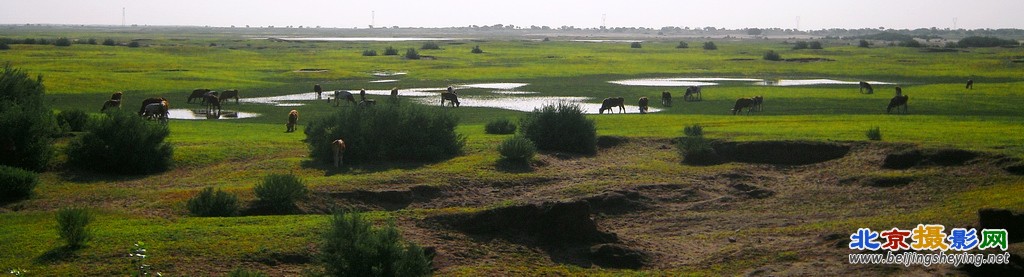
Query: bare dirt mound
[(913, 157), (567, 223), (618, 202), (389, 200), (780, 152)]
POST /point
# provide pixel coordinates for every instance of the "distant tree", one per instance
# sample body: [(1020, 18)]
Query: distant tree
[(710, 46), (910, 43), (369, 52), (952, 44), (772, 56), (476, 50), (29, 41), (976, 41), (91, 41), (62, 42), (109, 42), (390, 51), (635, 44), (682, 44), (863, 44), (800, 45), (754, 31), (133, 44), (430, 45), (815, 45), (43, 41)]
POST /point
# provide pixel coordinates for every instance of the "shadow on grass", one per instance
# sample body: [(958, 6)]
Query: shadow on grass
[(85, 176), (59, 254), (508, 166), (329, 169)]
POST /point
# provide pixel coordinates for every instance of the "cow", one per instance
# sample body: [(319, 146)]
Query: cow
[(116, 95), (666, 98), (156, 110), (198, 93), (109, 104), (338, 94), (865, 85), (319, 90), (692, 94), (758, 101), (148, 101), (643, 104), (212, 103), (897, 102), (741, 104), (612, 102), (228, 94), (293, 118), (451, 97), (970, 84), (338, 147)]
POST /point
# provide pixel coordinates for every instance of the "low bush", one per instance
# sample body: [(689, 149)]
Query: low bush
[(386, 132), (560, 127), (635, 44), (390, 51), (353, 247), (682, 45), (412, 54), (913, 43), (75, 120), (874, 134), (815, 45), (430, 45), (280, 191), (772, 56), (476, 50), (43, 41), (26, 123), (134, 44), (501, 126), (517, 149), (109, 42), (710, 46), (73, 226), (976, 41), (29, 41), (694, 149), (91, 41), (16, 183), (122, 142), (4, 46), (800, 45), (863, 44), (213, 203), (369, 52), (62, 42)]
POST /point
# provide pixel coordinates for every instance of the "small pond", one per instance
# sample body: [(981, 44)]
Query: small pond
[(197, 114)]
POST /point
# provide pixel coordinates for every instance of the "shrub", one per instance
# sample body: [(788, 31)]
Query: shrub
[(73, 226), (30, 41), (43, 41), (412, 54), (517, 149), (430, 45), (976, 41), (386, 132), (241, 272), (390, 51), (560, 127), (4, 46), (772, 56), (874, 134), (16, 183), (693, 131), (694, 149), (133, 44), (501, 126), (280, 191), (682, 44), (952, 44), (910, 43), (815, 45), (26, 123), (122, 142), (62, 42), (800, 45), (710, 46), (635, 44), (91, 41), (352, 247), (75, 120), (109, 42), (476, 50), (369, 52), (863, 44), (213, 203)]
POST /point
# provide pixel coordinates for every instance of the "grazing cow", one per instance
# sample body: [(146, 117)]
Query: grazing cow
[(212, 103), (692, 94), (116, 95), (319, 90), (643, 105), (148, 101), (293, 118), (970, 84), (666, 98), (111, 104), (741, 104), (865, 85), (157, 110), (899, 92), (338, 94), (338, 146), (612, 102), (228, 94), (198, 93), (758, 103), (451, 97), (898, 102)]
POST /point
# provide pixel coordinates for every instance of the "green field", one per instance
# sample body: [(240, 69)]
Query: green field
[(235, 154)]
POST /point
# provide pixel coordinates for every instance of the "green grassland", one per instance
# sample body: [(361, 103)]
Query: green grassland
[(235, 154)]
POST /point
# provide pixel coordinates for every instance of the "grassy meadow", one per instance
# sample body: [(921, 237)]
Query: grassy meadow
[(234, 155)]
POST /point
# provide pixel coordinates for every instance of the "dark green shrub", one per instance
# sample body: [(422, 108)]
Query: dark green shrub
[(815, 45), (369, 53), (682, 45), (390, 51), (501, 126), (16, 183), (241, 272), (694, 149), (352, 247), (476, 50), (122, 142), (133, 44), (75, 120), (73, 226), (91, 41), (412, 54), (874, 134), (560, 127), (62, 42), (772, 56), (109, 42), (693, 130), (386, 132), (43, 41), (863, 44), (635, 44), (4, 46), (910, 43), (26, 123), (430, 45), (800, 45), (710, 46), (213, 203), (517, 149), (30, 41), (280, 191), (976, 41)]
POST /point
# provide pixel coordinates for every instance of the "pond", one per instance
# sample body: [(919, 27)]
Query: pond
[(528, 104), (813, 82), (197, 114), (713, 81)]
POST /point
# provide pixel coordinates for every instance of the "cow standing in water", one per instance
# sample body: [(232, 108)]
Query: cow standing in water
[(865, 85), (643, 105), (612, 102), (450, 96), (338, 147), (742, 103), (666, 98), (319, 90), (338, 94), (293, 118), (228, 94)]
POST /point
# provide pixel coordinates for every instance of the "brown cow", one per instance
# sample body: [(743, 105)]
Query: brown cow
[(319, 90), (338, 147), (612, 102), (198, 93), (897, 102), (338, 94), (453, 99), (741, 104), (156, 110), (643, 105), (150, 100), (111, 104), (865, 85), (228, 94), (293, 118)]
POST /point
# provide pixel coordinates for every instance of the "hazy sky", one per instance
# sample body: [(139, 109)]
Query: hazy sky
[(818, 14)]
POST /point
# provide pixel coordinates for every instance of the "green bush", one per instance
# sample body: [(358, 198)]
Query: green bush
[(109, 42), (412, 54), (694, 149), (560, 127), (29, 41), (476, 50), (863, 44), (976, 41), (517, 149), (710, 46), (430, 45), (501, 126), (386, 132), (772, 56), (815, 45), (26, 123), (874, 134), (693, 130), (635, 44), (62, 42), (122, 142), (4, 46), (133, 44), (369, 53), (75, 120), (683, 45), (43, 41), (800, 45), (913, 43), (280, 191), (16, 183), (91, 41), (73, 226), (390, 51), (241, 272), (213, 203), (352, 247)]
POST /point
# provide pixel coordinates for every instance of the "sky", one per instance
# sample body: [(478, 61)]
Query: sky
[(737, 14)]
